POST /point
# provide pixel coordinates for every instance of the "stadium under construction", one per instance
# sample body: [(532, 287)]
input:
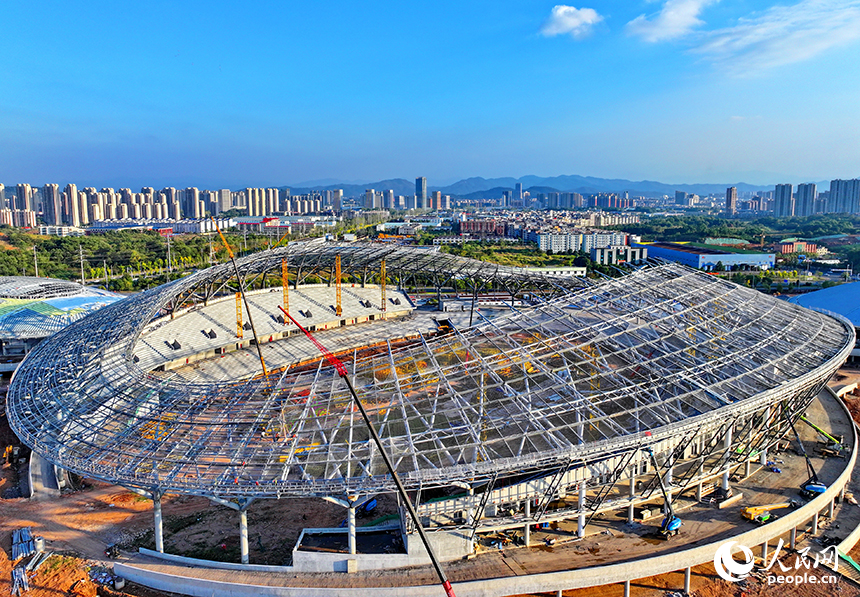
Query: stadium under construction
[(546, 409)]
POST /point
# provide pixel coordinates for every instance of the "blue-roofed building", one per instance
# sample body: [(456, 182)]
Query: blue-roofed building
[(844, 300), (31, 309), (707, 257)]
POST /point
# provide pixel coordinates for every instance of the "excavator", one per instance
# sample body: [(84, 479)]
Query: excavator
[(764, 514), (671, 524)]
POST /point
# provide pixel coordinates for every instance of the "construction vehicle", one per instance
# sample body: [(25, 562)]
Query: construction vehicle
[(671, 524), (832, 442), (812, 487), (765, 514)]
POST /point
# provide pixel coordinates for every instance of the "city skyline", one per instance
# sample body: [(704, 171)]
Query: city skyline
[(678, 90)]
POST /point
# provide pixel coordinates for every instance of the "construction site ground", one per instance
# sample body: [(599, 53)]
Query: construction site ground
[(82, 524)]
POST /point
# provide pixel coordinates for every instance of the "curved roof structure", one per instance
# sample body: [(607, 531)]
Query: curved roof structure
[(39, 307), (587, 371), (843, 299)]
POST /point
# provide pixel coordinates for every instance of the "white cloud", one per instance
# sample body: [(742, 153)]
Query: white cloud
[(566, 19), (782, 35), (675, 19)]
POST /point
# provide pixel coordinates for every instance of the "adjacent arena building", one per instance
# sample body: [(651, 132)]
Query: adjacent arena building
[(31, 309), (538, 411)]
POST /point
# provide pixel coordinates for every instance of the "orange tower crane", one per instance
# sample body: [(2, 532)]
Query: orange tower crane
[(244, 298), (382, 281), (240, 331), (339, 308), (285, 281)]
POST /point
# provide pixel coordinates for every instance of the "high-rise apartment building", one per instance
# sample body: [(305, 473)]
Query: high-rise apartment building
[(337, 200), (844, 196), (71, 206), (518, 191), (225, 200), (3, 204), (783, 201), (804, 200), (436, 202), (190, 203), (421, 193), (732, 201), (24, 197), (52, 205)]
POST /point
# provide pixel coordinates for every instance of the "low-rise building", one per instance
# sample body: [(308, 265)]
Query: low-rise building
[(618, 254), (708, 258)]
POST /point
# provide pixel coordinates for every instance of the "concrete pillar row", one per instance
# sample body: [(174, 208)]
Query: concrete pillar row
[(159, 529)]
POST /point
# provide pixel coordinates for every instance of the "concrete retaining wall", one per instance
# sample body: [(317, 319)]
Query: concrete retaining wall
[(197, 563)]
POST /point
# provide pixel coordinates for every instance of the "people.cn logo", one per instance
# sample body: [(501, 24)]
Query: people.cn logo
[(727, 567)]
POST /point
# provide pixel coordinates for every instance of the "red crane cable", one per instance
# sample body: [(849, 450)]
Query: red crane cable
[(341, 370)]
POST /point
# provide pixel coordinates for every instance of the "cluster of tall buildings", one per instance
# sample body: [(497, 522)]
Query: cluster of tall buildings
[(842, 198), (75, 207), (386, 199)]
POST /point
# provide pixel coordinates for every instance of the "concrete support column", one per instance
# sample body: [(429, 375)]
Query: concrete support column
[(470, 513), (580, 527), (831, 508), (669, 474), (243, 535), (527, 528), (699, 485), (727, 445), (350, 523), (792, 539), (763, 460), (559, 593), (626, 588), (159, 529), (842, 494), (764, 551), (630, 512), (815, 524), (747, 467), (688, 572)]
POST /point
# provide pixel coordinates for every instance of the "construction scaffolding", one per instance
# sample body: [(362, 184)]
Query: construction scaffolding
[(576, 381)]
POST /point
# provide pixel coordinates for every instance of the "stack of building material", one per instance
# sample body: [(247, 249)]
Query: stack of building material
[(19, 582), (22, 543)]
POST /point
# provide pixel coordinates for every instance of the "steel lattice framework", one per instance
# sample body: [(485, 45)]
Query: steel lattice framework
[(588, 372), (37, 288)]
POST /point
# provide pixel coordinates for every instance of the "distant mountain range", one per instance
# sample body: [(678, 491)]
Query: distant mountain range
[(491, 188)]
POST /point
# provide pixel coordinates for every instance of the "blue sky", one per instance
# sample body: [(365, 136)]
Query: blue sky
[(233, 94)]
